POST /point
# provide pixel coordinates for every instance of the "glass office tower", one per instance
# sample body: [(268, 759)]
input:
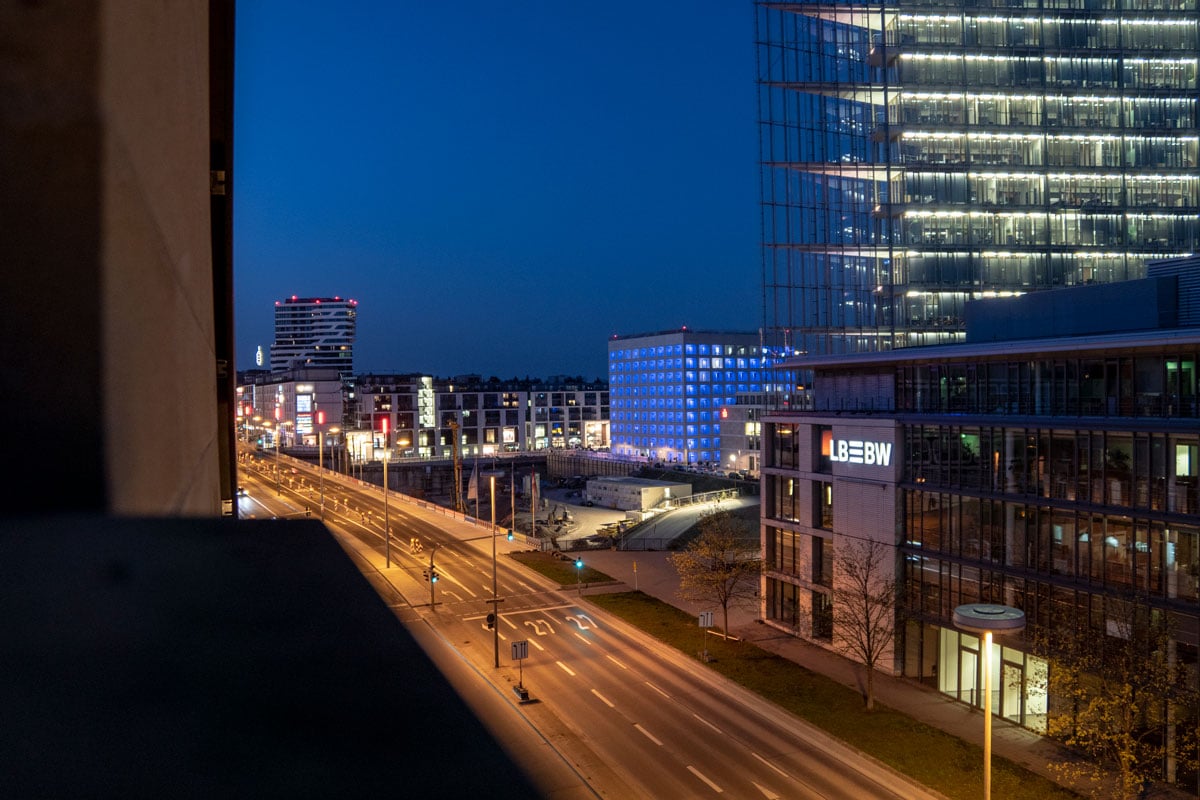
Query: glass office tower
[(917, 154)]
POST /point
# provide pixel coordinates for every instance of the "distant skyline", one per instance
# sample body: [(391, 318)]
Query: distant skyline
[(501, 187)]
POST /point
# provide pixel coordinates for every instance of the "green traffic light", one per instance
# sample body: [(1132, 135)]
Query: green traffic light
[(579, 563)]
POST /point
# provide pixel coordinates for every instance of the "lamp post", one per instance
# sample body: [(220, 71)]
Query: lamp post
[(278, 432), (387, 530), (321, 458), (495, 596), (984, 619)]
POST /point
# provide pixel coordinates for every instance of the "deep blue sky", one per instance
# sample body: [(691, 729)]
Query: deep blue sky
[(501, 185)]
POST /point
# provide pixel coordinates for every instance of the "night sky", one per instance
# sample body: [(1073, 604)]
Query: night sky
[(502, 186)]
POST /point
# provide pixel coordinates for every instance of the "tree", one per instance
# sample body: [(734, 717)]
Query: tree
[(1120, 697), (721, 565), (865, 607)]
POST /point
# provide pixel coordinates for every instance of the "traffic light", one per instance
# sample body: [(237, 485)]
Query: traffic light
[(579, 563), (425, 574), (491, 621), (433, 576), (510, 534)]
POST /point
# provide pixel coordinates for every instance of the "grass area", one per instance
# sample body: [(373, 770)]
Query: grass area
[(561, 572), (930, 756)]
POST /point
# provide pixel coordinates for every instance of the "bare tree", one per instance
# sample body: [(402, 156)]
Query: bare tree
[(1121, 698), (865, 607), (721, 565)]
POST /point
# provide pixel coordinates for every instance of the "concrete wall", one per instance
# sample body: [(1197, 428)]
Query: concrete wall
[(111, 367)]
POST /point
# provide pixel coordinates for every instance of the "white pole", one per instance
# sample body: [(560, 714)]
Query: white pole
[(987, 715)]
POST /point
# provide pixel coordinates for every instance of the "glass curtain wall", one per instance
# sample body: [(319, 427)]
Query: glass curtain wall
[(918, 154)]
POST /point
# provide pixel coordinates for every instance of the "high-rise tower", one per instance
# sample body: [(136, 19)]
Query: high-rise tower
[(920, 153), (314, 332)]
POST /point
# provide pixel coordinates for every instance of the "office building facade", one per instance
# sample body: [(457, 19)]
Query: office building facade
[(673, 391), (427, 415), (918, 154), (314, 333), (1056, 474)]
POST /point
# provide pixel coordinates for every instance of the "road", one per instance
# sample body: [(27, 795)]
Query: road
[(612, 713)]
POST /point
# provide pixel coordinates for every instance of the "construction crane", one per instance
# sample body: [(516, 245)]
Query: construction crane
[(459, 505)]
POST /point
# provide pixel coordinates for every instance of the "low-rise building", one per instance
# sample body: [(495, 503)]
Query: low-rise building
[(634, 494)]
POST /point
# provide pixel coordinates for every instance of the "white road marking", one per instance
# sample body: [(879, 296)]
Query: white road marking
[(647, 734), (565, 668), (603, 699), (512, 625), (615, 661), (538, 646), (537, 624), (711, 785), (772, 766), (580, 638), (767, 793), (660, 691), (709, 724)]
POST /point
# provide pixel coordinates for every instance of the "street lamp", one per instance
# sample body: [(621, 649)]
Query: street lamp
[(387, 530), (278, 432), (495, 597), (321, 455), (984, 619)]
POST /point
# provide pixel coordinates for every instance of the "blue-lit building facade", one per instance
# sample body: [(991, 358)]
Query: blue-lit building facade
[(918, 154), (671, 393)]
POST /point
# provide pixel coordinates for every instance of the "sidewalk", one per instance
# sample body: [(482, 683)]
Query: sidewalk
[(655, 576)]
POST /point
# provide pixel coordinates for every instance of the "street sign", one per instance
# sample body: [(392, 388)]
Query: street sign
[(520, 650), (706, 619)]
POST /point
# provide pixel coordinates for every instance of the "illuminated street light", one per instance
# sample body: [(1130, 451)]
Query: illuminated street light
[(984, 619), (387, 531), (495, 597)]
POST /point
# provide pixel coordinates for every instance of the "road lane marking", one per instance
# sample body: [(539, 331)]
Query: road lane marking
[(647, 734), (461, 585), (512, 625), (615, 661), (565, 668), (711, 785), (526, 586), (580, 638), (767, 793), (538, 646), (660, 691), (537, 624), (769, 764), (603, 699), (709, 724)]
